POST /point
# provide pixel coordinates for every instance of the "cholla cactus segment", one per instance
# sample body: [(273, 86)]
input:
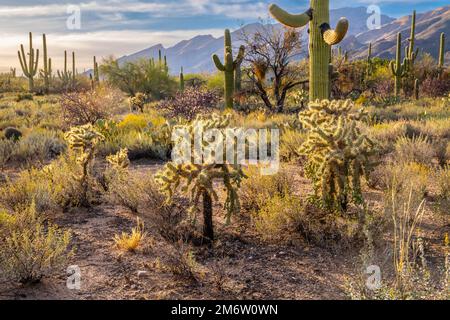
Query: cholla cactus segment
[(196, 179), (338, 152), (83, 138), (138, 101), (120, 159)]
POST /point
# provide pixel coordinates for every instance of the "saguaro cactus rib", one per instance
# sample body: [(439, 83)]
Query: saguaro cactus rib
[(335, 36), (291, 20)]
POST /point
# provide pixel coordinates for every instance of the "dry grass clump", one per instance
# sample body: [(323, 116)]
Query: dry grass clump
[(404, 175), (39, 146), (181, 262), (417, 149), (31, 248), (412, 278), (131, 241), (29, 187), (258, 189), (290, 142)]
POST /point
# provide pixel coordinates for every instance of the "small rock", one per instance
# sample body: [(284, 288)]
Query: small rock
[(142, 274)]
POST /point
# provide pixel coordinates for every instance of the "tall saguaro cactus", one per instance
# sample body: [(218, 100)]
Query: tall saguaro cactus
[(398, 68), (369, 61), (66, 76), (181, 80), (29, 68), (229, 67), (47, 71), (442, 51), (321, 38), (410, 53), (96, 74)]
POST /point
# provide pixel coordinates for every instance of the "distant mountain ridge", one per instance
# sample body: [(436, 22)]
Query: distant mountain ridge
[(194, 55)]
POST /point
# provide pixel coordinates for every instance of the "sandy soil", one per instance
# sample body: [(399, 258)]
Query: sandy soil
[(238, 266)]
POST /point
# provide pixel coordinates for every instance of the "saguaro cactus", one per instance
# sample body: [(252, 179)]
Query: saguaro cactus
[(66, 76), (229, 67), (13, 72), (46, 73), (96, 74), (321, 38), (410, 53), (369, 61), (238, 77), (181, 80), (398, 68), (416, 89), (29, 68), (442, 51)]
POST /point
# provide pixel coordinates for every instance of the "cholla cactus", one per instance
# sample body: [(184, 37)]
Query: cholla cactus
[(137, 102), (119, 160), (300, 97), (337, 151), (82, 142), (197, 179)]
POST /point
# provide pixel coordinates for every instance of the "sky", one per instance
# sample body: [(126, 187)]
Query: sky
[(120, 27)]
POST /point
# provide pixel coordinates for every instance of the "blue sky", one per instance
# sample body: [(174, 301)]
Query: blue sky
[(124, 26)]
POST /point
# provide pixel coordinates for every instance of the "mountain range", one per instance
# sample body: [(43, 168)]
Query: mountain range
[(194, 55)]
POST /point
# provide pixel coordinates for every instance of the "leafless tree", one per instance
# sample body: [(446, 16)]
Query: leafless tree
[(270, 52)]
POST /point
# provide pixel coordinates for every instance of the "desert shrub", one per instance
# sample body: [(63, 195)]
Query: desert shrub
[(123, 188), (6, 151), (24, 96), (12, 134), (412, 278), (404, 175), (181, 263), (143, 76), (257, 189), (39, 146), (290, 142), (29, 187), (136, 122), (189, 103), (442, 177), (434, 87), (80, 108), (30, 247), (130, 242), (418, 149), (279, 216)]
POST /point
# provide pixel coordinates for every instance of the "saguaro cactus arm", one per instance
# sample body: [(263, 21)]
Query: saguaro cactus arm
[(240, 56), (335, 36), (218, 63), (291, 20)]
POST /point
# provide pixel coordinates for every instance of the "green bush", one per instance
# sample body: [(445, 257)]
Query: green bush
[(31, 248)]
